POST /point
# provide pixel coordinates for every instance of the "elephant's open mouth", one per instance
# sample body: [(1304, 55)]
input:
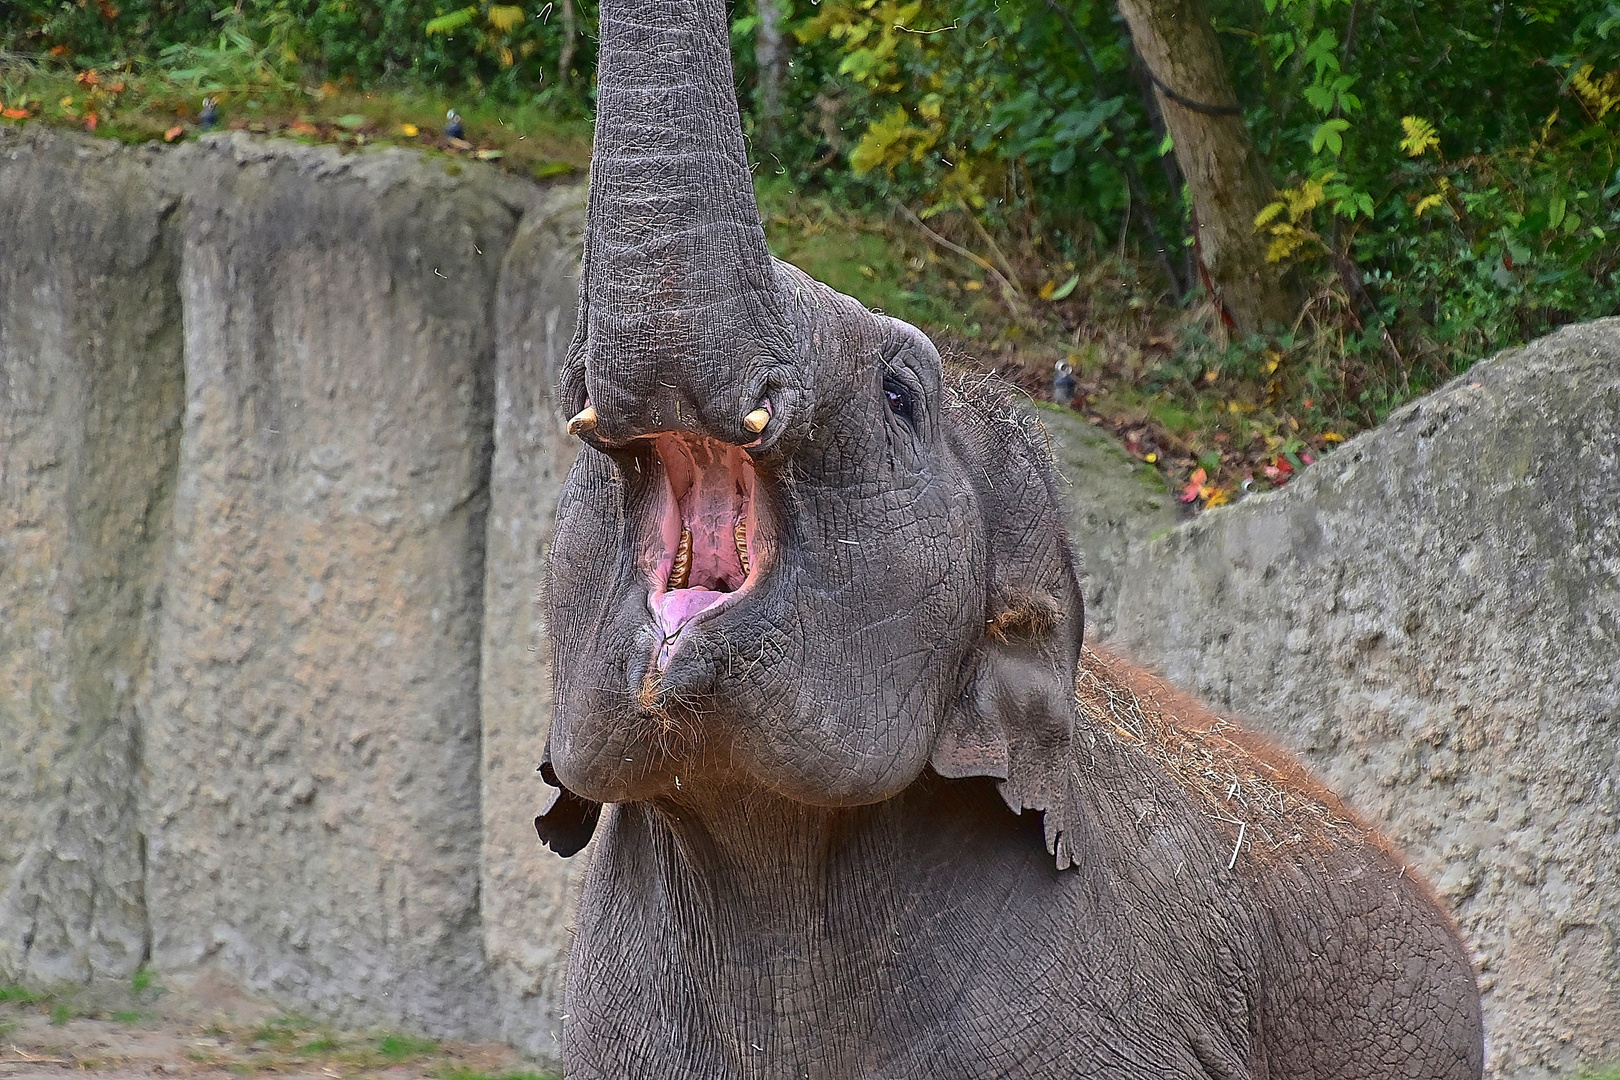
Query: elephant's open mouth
[(707, 527)]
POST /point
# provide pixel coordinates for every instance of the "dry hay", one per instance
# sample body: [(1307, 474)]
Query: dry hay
[(1268, 801)]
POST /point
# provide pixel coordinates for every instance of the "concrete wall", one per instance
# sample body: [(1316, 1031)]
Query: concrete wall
[(278, 459), (1431, 617), (90, 399)]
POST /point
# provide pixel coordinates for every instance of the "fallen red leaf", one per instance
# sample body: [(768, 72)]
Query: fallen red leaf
[(174, 133), (1195, 486), (91, 121), (87, 78), (14, 114)]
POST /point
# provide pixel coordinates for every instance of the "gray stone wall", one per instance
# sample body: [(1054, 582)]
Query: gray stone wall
[(90, 402), (1430, 616), (269, 416), (527, 891)]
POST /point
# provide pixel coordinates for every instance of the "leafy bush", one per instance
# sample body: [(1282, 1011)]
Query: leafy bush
[(1447, 175), (1447, 172), (508, 51)]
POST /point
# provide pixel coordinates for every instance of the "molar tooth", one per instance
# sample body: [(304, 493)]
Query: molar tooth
[(682, 568), (741, 533)]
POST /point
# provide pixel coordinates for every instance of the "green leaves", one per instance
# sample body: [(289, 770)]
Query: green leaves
[(1325, 97), (1322, 53), (1329, 135), (449, 24)]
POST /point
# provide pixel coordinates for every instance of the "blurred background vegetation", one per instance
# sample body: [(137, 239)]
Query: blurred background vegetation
[(999, 172)]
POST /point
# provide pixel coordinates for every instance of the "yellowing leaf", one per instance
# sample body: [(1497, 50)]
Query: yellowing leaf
[(410, 131), (1598, 95), (1428, 202), (1420, 136), (884, 144), (1332, 436), (1265, 216), (505, 17)]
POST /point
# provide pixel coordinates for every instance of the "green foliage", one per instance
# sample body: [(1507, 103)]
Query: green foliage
[(20, 994), (1447, 172), (401, 1047), (510, 52), (1447, 175), (997, 109)]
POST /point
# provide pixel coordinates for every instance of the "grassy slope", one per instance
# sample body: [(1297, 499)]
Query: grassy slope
[(1148, 370)]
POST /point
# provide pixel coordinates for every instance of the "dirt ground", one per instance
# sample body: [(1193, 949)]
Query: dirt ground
[(206, 1029)]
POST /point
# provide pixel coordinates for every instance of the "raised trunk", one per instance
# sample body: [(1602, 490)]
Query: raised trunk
[(770, 57), (677, 270), (1224, 173)]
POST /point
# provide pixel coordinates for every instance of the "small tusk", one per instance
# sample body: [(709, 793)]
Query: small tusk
[(755, 421), (583, 421)]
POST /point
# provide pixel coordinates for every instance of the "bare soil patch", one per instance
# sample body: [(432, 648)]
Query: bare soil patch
[(204, 1028)]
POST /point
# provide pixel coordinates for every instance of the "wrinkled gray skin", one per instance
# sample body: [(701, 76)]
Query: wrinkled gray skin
[(811, 862)]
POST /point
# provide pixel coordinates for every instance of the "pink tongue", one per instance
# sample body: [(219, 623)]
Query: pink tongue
[(676, 608)]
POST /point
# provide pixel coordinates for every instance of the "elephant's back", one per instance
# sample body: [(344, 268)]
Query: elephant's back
[(1357, 970)]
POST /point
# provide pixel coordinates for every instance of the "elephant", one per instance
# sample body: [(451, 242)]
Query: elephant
[(863, 803)]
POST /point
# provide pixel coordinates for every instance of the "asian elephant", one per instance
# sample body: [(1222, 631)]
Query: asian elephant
[(862, 808)]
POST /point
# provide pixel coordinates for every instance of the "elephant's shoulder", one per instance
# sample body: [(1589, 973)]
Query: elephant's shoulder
[(1265, 804)]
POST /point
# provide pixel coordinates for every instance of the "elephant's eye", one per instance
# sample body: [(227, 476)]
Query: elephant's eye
[(900, 399)]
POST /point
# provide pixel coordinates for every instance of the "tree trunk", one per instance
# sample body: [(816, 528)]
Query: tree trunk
[(770, 57), (565, 60), (1225, 176)]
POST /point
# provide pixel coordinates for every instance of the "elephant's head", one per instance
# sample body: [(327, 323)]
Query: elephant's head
[(796, 552)]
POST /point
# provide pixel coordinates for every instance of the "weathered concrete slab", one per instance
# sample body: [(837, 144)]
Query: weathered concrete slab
[(1114, 502), (528, 891), (90, 398), (312, 732), (1431, 616)]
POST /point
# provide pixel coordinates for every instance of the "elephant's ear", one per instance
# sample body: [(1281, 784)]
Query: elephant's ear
[(1014, 714), (567, 824)]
